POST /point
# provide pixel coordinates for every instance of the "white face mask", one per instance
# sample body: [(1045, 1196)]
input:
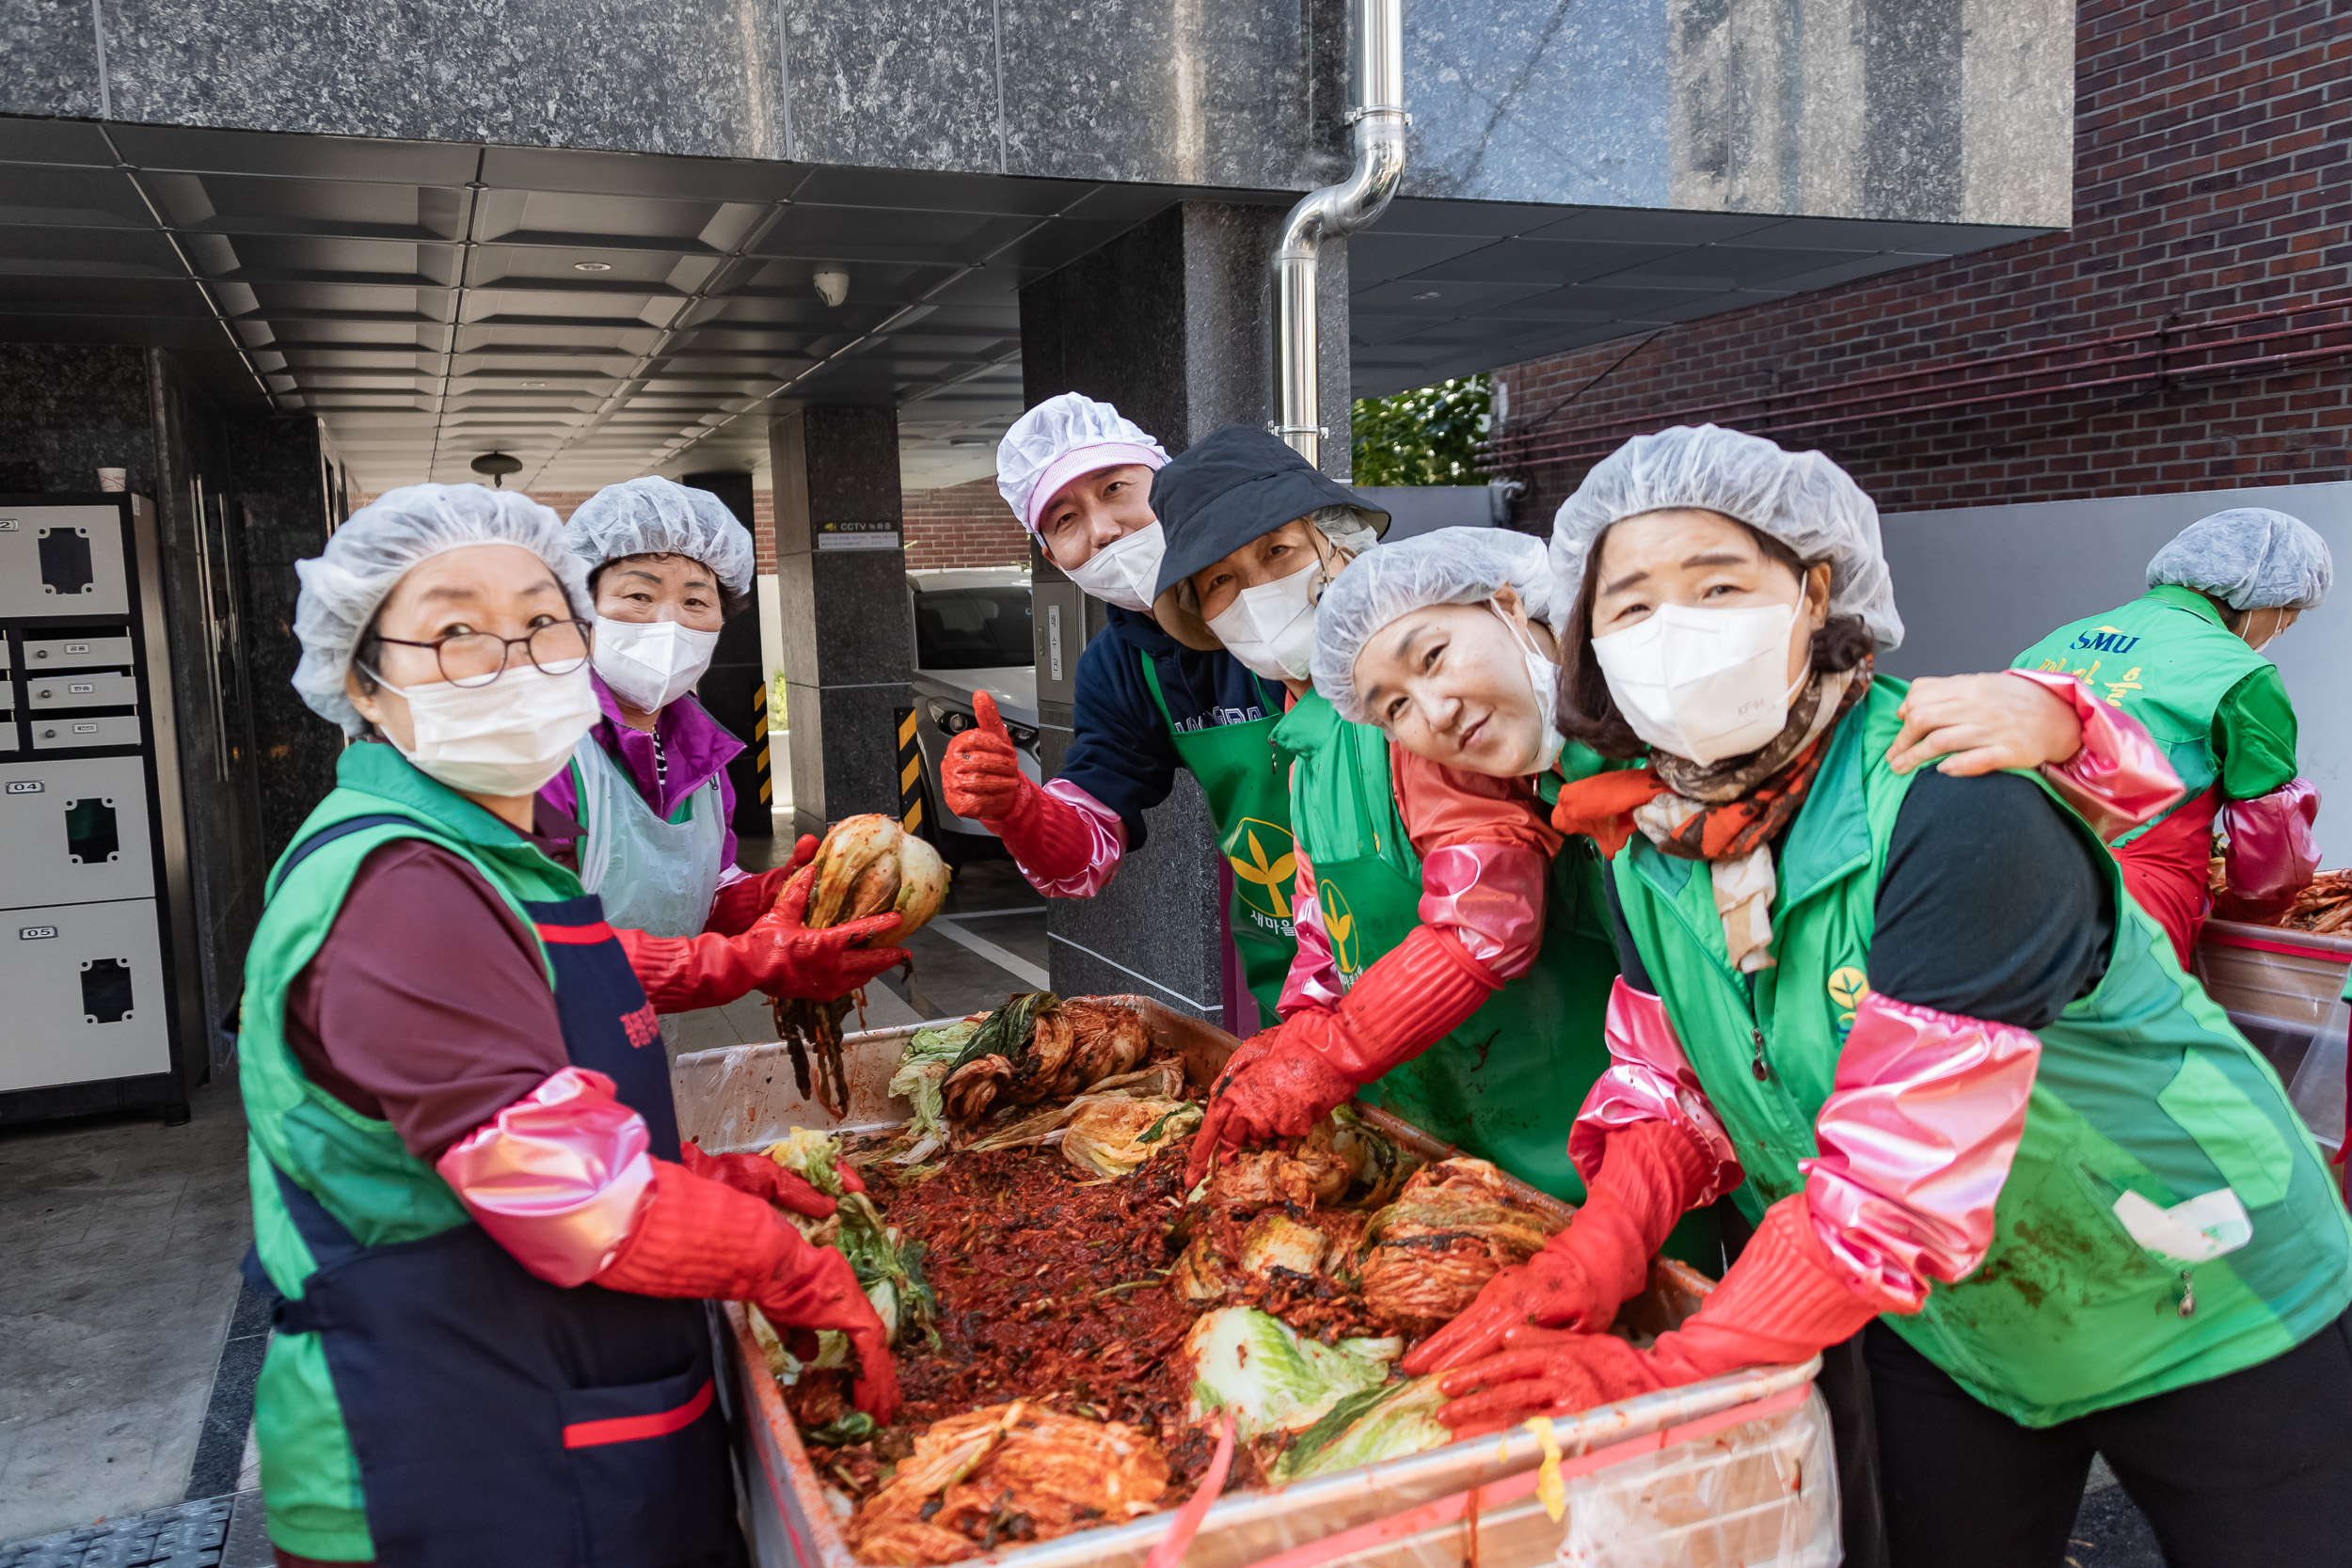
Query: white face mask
[(504, 738), (651, 664), (1544, 677), (1124, 571), (1703, 683), (1271, 627)]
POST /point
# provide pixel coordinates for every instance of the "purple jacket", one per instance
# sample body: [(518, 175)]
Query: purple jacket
[(697, 747)]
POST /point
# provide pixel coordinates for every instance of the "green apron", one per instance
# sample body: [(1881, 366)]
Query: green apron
[(2166, 659), (1251, 808), (2144, 1092), (1507, 1084)]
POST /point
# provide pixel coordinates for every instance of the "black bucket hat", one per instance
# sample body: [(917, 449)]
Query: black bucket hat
[(1237, 483)]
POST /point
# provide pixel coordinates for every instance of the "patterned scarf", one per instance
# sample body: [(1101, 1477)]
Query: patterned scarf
[(1727, 814)]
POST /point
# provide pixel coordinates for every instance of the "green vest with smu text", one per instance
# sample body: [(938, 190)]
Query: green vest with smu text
[(2143, 1087), (356, 1165), (2166, 659)]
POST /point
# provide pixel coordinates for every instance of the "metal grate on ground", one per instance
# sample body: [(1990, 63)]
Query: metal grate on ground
[(186, 1535)]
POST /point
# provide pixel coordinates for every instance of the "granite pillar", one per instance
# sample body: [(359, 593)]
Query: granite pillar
[(735, 689), (1173, 322), (286, 495), (841, 582)]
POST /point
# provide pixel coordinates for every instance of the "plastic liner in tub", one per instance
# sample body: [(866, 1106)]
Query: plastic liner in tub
[(2279, 986), (744, 1097)]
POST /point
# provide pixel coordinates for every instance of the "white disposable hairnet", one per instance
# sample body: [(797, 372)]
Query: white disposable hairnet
[(344, 585), (1447, 565), (1059, 439), (654, 517), (2249, 558), (1800, 499)]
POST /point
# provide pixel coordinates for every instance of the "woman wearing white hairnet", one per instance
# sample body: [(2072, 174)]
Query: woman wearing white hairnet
[(1963, 1090), (492, 1345), (1454, 959), (668, 566), (1079, 475), (2185, 658), (1448, 643)]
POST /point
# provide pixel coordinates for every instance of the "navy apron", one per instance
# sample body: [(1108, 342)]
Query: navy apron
[(499, 1418)]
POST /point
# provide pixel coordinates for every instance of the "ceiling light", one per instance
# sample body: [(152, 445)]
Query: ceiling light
[(592, 266), (1431, 295), (534, 383), (497, 465)]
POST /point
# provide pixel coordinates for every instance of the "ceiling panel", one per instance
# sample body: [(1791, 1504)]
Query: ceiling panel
[(599, 314)]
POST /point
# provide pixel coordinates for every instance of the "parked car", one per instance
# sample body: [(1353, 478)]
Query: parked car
[(970, 630)]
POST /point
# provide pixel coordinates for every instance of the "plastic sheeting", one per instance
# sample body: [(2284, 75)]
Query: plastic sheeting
[(1761, 1495), (1421, 1510)]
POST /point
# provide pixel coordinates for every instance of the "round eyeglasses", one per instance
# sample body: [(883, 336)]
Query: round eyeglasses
[(479, 657)]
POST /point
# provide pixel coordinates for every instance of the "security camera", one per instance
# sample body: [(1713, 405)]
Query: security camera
[(831, 287)]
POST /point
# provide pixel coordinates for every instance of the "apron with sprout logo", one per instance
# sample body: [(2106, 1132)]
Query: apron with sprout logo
[(2165, 1219), (1507, 1084), (1251, 808)]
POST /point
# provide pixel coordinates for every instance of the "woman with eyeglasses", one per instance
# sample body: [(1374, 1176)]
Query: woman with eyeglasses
[(493, 1345)]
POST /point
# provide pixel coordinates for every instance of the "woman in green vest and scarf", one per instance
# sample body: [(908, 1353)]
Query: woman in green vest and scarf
[(1454, 961), (492, 1344), (1957, 1077), (2185, 658)]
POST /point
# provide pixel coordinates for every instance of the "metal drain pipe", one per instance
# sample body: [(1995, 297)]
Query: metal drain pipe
[(1380, 121)]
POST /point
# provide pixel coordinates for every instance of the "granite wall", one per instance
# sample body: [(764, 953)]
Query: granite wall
[(1171, 322), (238, 497), (1922, 110)]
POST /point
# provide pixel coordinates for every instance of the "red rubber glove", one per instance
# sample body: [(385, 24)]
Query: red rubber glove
[(768, 1181), (1783, 1302), (981, 778), (1650, 1174), (737, 905), (700, 1238), (778, 955), (1314, 1059)]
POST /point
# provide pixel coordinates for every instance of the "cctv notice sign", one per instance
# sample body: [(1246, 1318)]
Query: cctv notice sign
[(879, 534)]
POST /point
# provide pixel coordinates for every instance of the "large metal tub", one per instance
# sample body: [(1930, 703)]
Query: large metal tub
[(1420, 1511)]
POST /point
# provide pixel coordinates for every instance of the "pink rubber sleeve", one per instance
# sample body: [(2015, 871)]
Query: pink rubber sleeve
[(2119, 778), (1492, 897), (2272, 853), (1313, 980), (1649, 1079), (558, 1177), (1107, 843), (1916, 1140)]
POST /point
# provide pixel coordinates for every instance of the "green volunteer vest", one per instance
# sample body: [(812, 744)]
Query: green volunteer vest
[(2143, 1087), (356, 1165), (1507, 1084), (1234, 764), (2166, 659)]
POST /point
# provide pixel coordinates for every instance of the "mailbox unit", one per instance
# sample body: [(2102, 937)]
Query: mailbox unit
[(97, 931)]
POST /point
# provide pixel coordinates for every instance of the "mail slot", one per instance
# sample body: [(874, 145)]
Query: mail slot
[(94, 690), (75, 653), (62, 735)]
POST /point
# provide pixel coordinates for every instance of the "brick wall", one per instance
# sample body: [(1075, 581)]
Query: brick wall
[(2212, 183), (964, 525)]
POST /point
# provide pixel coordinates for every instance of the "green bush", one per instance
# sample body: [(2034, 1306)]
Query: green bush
[(1428, 435)]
